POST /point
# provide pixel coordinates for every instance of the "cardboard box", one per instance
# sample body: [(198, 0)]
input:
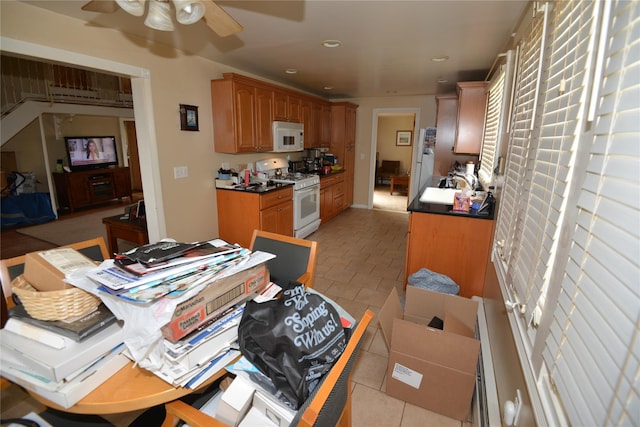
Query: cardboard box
[(215, 298), (272, 409), (45, 270), (431, 368), (235, 402), (58, 364), (64, 393)]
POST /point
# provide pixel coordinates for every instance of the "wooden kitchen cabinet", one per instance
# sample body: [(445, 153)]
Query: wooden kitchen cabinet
[(286, 107), (325, 125), (332, 196), (241, 212), (343, 143), (456, 246), (242, 115), (472, 102), (91, 187)]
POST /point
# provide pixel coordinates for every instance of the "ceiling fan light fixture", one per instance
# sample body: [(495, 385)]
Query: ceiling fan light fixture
[(134, 7), (332, 43), (188, 11), (159, 16)]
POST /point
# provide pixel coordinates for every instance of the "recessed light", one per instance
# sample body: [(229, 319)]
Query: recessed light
[(331, 43), (443, 81), (328, 87), (439, 58), (291, 71)]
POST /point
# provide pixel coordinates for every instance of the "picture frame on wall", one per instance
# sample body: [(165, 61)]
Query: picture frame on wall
[(188, 117), (403, 137)]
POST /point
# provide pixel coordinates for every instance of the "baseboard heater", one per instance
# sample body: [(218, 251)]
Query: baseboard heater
[(486, 406)]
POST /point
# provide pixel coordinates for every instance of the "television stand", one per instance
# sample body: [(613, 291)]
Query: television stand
[(91, 187)]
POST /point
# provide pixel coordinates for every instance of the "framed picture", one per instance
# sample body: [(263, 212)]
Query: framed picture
[(188, 117), (403, 137)]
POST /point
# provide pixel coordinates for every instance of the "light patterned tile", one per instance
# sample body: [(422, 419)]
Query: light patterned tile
[(371, 297), (378, 345), (370, 369), (372, 407), (415, 416)]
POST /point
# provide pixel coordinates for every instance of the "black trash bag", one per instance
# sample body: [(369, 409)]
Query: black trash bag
[(293, 340)]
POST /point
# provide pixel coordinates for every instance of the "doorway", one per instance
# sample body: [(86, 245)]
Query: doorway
[(391, 128), (145, 126)]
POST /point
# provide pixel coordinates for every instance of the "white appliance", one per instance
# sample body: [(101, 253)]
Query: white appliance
[(287, 137), (306, 194), (423, 160)]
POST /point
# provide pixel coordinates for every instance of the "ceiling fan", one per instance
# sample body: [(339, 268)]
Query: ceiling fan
[(159, 13)]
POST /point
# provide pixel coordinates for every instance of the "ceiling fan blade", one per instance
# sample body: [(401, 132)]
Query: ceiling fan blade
[(220, 21), (103, 6)]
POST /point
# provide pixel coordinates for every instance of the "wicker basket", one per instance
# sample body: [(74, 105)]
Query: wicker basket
[(53, 305)]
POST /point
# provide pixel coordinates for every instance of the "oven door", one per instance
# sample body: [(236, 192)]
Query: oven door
[(306, 206)]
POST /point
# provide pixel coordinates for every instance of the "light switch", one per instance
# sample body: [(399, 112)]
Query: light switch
[(180, 172)]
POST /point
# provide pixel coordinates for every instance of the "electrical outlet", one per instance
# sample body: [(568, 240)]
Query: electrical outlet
[(180, 172)]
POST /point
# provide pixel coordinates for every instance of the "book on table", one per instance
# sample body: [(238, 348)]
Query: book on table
[(77, 328)]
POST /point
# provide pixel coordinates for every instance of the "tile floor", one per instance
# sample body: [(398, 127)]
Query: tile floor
[(361, 257)]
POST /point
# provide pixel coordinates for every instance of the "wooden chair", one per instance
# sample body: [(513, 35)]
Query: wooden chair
[(387, 169), (295, 258), (95, 249), (329, 404)]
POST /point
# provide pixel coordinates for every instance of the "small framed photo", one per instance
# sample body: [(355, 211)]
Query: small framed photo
[(188, 117), (403, 137)]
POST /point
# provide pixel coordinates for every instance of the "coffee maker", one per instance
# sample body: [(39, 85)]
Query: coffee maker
[(313, 161)]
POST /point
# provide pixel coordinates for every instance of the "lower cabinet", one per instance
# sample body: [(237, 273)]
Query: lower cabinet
[(455, 246), (332, 196), (241, 212)]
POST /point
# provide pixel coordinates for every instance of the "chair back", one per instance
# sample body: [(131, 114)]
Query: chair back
[(295, 258), (95, 249)]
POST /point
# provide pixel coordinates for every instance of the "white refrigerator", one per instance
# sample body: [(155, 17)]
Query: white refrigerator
[(422, 161)]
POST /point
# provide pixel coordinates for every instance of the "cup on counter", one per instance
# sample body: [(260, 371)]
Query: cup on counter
[(326, 170)]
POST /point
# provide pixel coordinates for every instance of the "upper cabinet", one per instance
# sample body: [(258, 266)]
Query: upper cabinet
[(245, 108), (472, 101), (242, 116)]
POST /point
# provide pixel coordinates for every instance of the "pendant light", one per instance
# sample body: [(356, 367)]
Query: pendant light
[(159, 16), (188, 11), (134, 7)]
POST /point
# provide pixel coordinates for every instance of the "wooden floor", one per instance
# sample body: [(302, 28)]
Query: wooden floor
[(14, 244)]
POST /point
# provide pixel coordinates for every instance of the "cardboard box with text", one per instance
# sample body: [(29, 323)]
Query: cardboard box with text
[(431, 368)]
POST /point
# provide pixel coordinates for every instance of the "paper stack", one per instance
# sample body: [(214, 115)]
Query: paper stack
[(66, 371)]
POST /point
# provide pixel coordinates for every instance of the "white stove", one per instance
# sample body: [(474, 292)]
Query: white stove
[(306, 194)]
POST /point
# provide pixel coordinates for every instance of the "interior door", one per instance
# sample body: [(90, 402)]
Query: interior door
[(132, 153)]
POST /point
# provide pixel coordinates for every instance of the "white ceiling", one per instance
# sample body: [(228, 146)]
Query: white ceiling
[(386, 49)]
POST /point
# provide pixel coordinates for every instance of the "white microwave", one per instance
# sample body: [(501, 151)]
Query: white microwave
[(288, 137)]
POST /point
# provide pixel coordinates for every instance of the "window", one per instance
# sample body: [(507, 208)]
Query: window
[(568, 230), (495, 125)]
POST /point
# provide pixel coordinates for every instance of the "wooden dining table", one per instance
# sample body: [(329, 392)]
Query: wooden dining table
[(132, 388)]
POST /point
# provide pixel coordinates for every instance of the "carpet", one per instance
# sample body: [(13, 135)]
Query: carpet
[(66, 231), (382, 200)]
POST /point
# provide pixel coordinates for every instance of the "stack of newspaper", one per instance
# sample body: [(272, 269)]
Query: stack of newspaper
[(160, 269)]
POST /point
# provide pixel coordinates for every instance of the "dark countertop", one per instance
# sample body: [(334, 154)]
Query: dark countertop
[(256, 188), (439, 209)]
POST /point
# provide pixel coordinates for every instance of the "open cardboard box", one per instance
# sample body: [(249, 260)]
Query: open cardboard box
[(431, 368)]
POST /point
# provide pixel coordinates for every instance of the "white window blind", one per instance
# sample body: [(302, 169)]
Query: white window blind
[(568, 226), (593, 349), (556, 139), (525, 99), (492, 129)]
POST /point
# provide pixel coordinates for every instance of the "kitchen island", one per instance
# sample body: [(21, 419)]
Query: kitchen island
[(456, 244)]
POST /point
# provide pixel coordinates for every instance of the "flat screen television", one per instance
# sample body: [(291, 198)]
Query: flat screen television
[(91, 152)]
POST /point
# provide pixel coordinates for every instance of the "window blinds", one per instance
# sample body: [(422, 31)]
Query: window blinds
[(492, 128), (592, 351), (568, 227)]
